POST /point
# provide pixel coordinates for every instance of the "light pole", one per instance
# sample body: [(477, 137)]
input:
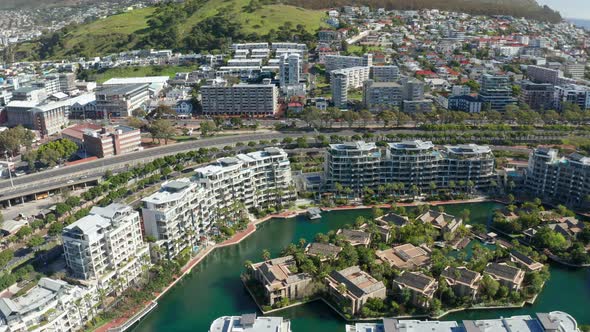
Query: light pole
[(8, 168)]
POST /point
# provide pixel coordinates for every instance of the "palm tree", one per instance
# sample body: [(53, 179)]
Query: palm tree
[(265, 254)]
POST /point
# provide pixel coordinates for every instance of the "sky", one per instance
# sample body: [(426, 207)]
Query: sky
[(570, 8)]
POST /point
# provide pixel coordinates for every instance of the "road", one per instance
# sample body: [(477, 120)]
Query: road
[(57, 178)]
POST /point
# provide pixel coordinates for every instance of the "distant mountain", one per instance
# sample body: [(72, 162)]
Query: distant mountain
[(22, 4)]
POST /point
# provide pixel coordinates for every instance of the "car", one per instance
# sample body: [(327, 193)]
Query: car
[(70, 181)]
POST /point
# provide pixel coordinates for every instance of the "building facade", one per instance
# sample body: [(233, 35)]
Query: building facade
[(240, 99), (381, 95), (496, 92), (119, 101)]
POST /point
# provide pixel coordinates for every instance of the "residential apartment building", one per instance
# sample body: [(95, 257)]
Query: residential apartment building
[(67, 82), (106, 245), (344, 80), (383, 95), (352, 165), (413, 100), (177, 216), (180, 214), (572, 94), (465, 103), (335, 62), (290, 70), (50, 84), (385, 73), (111, 141), (575, 70), (240, 99), (563, 179), (539, 96), (360, 287), (414, 164), (496, 92), (279, 281), (119, 101), (51, 305), (539, 74)]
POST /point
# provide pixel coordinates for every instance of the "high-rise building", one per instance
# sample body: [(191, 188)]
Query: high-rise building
[(343, 80), (539, 96), (573, 94), (352, 165), (106, 245), (381, 95), (120, 100), (290, 73), (67, 82), (561, 179), (413, 100), (240, 99), (496, 92)]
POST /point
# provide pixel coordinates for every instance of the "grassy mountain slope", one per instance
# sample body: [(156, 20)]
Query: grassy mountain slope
[(127, 30)]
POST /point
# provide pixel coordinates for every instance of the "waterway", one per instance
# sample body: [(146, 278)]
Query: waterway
[(214, 289)]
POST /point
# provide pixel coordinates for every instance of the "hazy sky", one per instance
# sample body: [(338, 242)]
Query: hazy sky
[(570, 8)]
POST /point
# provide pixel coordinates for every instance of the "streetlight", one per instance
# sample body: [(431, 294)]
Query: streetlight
[(8, 168)]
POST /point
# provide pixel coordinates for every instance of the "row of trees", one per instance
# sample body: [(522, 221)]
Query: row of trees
[(51, 153)]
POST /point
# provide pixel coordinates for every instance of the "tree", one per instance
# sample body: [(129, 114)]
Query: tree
[(6, 256), (162, 111), (35, 241), (350, 117), (162, 129), (265, 254), (365, 116), (312, 116), (207, 127), (24, 232), (134, 122), (489, 286)]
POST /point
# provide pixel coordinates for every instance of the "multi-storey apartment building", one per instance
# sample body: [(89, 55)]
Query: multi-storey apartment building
[(573, 94), (385, 73), (539, 96), (414, 164), (108, 142), (335, 62), (575, 70), (119, 100), (496, 92), (183, 210), (563, 179), (240, 99), (381, 95), (540, 74), (353, 165), (106, 245), (343, 80), (178, 215), (51, 305)]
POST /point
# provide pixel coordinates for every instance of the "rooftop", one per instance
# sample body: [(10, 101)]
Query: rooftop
[(357, 282), (250, 323)]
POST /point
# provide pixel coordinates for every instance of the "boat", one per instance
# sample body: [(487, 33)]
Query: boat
[(314, 213)]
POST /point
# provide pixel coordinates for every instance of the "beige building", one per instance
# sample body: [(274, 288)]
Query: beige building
[(421, 286), (463, 281), (354, 287), (405, 256), (279, 281), (509, 276)]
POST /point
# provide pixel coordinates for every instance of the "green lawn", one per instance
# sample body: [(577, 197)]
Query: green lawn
[(102, 76)]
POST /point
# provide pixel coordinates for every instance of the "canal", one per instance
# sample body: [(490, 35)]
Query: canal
[(214, 288)]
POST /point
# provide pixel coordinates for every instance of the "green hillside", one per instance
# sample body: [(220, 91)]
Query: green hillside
[(177, 26)]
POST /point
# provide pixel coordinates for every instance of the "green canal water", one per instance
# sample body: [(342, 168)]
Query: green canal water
[(214, 288)]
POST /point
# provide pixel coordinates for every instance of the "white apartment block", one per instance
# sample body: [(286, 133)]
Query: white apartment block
[(290, 70), (354, 165), (240, 99), (344, 80), (335, 62), (249, 46), (50, 306), (106, 245), (573, 94), (184, 210), (284, 45)]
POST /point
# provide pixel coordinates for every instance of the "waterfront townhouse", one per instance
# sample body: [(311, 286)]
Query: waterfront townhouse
[(352, 165), (464, 282), (177, 216), (325, 251), (106, 246), (354, 237), (420, 286), (51, 305), (249, 322), (525, 261), (509, 276), (353, 287), (405, 256), (443, 222), (560, 179), (279, 281)]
